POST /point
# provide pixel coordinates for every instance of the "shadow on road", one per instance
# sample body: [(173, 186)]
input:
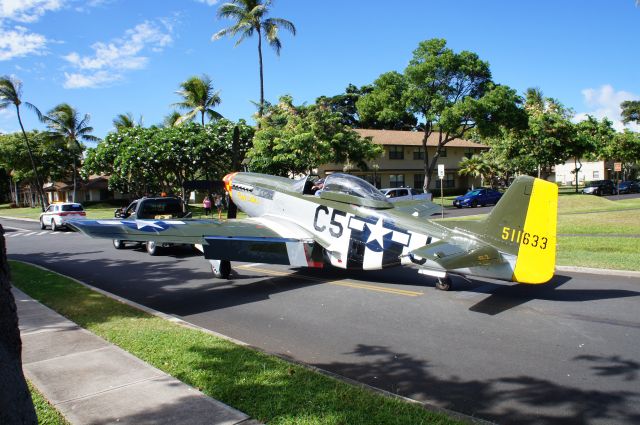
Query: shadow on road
[(508, 400)]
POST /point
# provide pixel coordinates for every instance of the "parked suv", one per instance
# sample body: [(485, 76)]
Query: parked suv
[(56, 215), (599, 188), (151, 208)]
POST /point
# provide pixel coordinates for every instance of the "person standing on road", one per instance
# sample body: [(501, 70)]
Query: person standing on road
[(206, 204)]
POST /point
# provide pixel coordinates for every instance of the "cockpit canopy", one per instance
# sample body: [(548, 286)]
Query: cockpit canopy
[(345, 188), (352, 185)]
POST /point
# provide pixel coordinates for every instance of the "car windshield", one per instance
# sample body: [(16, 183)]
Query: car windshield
[(352, 185), (594, 184), (72, 207), (473, 192)]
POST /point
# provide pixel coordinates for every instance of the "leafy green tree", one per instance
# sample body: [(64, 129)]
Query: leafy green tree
[(147, 160), (591, 138), (630, 111), (296, 139), (122, 121), (52, 156), (345, 104), (64, 123), (10, 94), (199, 97), (250, 18), (452, 92), (624, 147), (385, 107)]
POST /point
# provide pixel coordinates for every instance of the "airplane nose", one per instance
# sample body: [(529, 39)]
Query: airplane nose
[(228, 181)]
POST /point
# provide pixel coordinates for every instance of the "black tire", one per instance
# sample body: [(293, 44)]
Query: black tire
[(474, 204), (444, 283), (152, 248), (225, 270), (118, 244), (42, 226), (458, 206), (54, 226)]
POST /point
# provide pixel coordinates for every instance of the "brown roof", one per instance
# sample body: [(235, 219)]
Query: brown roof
[(413, 138)]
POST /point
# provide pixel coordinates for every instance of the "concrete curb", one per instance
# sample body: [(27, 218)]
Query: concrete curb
[(173, 319), (607, 272)]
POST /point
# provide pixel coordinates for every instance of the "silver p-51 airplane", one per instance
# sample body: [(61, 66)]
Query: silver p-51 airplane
[(349, 224)]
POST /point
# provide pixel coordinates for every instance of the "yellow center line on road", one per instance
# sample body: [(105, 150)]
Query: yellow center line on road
[(342, 282)]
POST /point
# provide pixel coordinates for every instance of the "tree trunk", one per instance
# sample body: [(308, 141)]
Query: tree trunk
[(261, 108), (74, 180), (16, 406), (39, 189), (425, 138), (575, 170)]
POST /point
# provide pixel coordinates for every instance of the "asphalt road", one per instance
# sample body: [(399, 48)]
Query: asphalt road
[(560, 353)]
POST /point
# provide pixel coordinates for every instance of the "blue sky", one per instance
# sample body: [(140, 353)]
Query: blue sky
[(106, 57)]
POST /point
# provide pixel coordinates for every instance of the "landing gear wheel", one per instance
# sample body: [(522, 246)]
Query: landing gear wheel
[(54, 226), (221, 268), (118, 244), (42, 226), (153, 248), (444, 283)]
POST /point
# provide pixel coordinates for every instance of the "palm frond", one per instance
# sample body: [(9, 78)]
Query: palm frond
[(282, 23), (35, 109)]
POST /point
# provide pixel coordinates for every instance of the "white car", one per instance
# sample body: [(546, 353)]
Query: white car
[(56, 215), (395, 194)]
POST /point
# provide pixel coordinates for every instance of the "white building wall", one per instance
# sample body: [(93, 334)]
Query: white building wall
[(589, 171)]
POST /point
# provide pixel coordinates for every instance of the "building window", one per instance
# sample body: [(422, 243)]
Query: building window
[(469, 152), (596, 175), (443, 153), (418, 181), (396, 152), (374, 179), (396, 180), (418, 153), (450, 180)]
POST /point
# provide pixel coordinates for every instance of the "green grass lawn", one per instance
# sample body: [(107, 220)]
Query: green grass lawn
[(47, 414), (265, 387)]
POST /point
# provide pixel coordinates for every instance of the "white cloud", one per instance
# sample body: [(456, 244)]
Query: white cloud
[(110, 59), (208, 2), (19, 42), (605, 102), (27, 10)]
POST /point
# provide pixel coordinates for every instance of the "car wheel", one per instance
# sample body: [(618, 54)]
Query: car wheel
[(118, 244), (153, 248), (458, 206), (474, 204), (42, 226), (54, 226), (223, 270)]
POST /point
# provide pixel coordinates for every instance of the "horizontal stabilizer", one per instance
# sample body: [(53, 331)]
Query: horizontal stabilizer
[(451, 257)]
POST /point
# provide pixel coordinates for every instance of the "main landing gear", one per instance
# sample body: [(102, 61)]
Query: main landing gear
[(444, 283), (221, 268)]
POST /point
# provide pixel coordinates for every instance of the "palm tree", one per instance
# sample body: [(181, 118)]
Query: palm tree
[(198, 96), (122, 121), (64, 122), (250, 17), (172, 119), (10, 93), (474, 167)]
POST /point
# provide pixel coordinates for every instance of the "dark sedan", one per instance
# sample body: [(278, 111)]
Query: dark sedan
[(628, 187), (473, 198)]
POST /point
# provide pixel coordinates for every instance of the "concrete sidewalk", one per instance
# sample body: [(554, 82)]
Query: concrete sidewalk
[(92, 381)]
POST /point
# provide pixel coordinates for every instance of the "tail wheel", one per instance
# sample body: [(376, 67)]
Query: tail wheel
[(444, 283), (118, 244)]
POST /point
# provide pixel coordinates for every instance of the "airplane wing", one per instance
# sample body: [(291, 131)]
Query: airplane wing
[(250, 240), (418, 208)]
